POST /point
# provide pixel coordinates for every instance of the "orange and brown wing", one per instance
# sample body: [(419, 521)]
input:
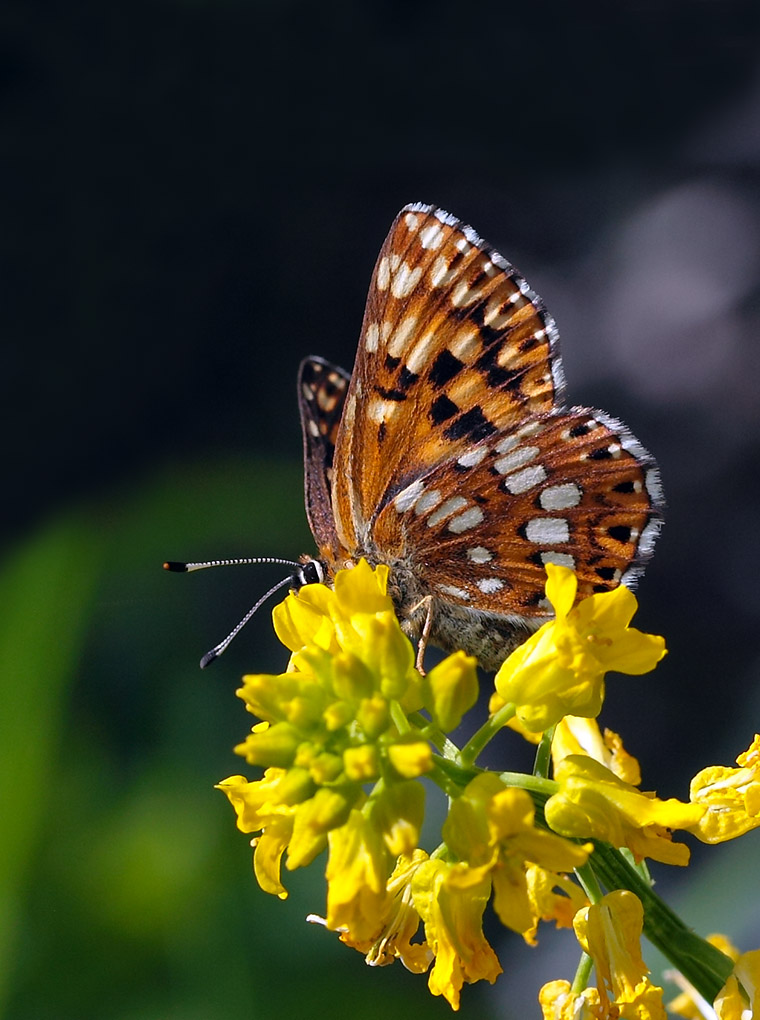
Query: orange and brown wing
[(455, 348), (573, 488)]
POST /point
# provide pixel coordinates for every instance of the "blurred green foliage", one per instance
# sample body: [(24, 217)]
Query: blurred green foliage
[(127, 891)]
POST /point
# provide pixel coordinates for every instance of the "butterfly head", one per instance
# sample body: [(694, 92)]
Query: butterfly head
[(309, 571)]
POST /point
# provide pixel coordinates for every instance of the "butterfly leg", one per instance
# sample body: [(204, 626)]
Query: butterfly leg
[(427, 604)]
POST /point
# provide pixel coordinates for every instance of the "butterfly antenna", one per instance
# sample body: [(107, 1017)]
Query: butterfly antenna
[(181, 568), (215, 652)]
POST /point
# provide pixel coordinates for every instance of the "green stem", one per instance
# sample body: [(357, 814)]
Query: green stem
[(430, 732), (541, 788), (459, 774), (451, 778), (587, 877), (582, 974), (700, 963), (399, 717), (543, 754), (487, 732)]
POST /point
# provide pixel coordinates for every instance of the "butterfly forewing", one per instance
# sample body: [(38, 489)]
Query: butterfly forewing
[(454, 348)]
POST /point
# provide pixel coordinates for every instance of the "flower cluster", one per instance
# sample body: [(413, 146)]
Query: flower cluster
[(351, 735)]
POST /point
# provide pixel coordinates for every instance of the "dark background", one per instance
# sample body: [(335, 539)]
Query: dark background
[(194, 195)]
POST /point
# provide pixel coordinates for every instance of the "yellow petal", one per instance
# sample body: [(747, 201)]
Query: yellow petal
[(561, 588)]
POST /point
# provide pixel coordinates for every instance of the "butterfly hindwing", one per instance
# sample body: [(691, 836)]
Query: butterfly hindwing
[(572, 488), (322, 389)]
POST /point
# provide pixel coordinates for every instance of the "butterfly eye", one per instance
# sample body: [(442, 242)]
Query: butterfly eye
[(312, 572)]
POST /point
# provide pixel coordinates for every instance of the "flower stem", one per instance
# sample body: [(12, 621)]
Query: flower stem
[(700, 963), (582, 974), (543, 754), (487, 732)]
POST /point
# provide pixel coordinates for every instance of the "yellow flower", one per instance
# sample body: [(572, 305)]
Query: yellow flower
[(731, 796), (268, 804), (593, 803), (335, 721), (552, 897), (559, 1002), (491, 830), (451, 689), (398, 925), (452, 912), (610, 932), (357, 872), (575, 735), (397, 811), (560, 669), (741, 993)]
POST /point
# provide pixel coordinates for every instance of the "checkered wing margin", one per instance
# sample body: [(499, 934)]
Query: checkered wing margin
[(573, 488), (455, 349)]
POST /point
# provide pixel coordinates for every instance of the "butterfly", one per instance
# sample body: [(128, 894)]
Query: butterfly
[(449, 455)]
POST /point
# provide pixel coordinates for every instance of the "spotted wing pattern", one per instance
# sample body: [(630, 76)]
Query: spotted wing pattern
[(572, 488), (455, 347), (322, 389), (448, 453)]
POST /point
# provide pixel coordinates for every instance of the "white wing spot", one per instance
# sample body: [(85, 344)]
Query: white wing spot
[(464, 245), (432, 237), (383, 273), (466, 344), (401, 337), (521, 481), (547, 530), (408, 496), (371, 338), (427, 501), (440, 276), (479, 554), (506, 444), (446, 510), (494, 315), (560, 497), (472, 457), (489, 585), (457, 593), (531, 429), (313, 428), (615, 450), (559, 559), (380, 411), (516, 459), (419, 356), (405, 280), (463, 294), (469, 519), (411, 221)]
